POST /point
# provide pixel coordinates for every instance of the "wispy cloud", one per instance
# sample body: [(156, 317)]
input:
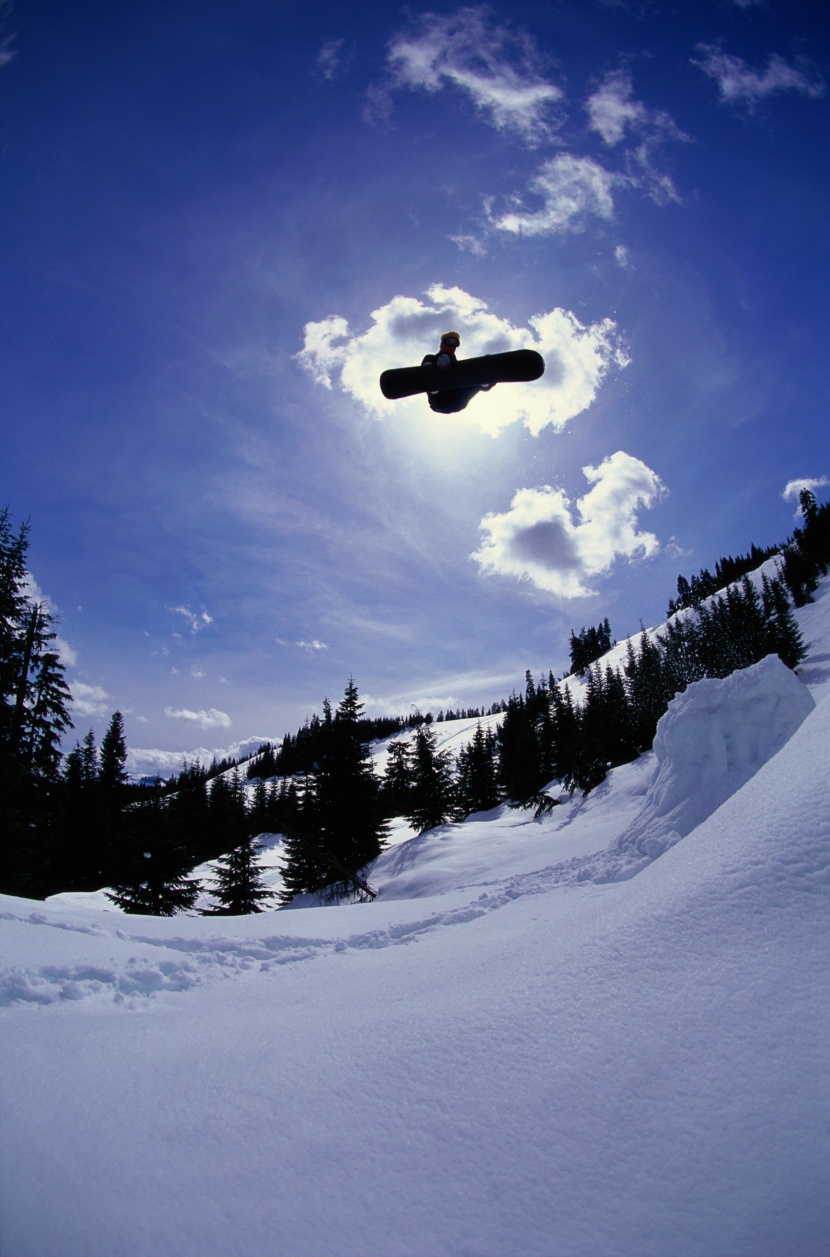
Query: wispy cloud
[(738, 83), (6, 53), (572, 189), (475, 688), (329, 59), (197, 620), (310, 648), (499, 69), (577, 357), (212, 719), (616, 116), (543, 540)]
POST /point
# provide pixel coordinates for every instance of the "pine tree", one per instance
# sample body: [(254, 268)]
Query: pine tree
[(397, 780), (342, 825), (238, 884), (477, 786), (88, 754), (432, 796), (681, 654), (783, 636), (80, 860), (227, 815), (188, 812), (647, 689), (155, 881), (12, 604), (566, 745), (112, 772), (42, 697), (33, 717), (591, 766), (520, 762), (799, 571)]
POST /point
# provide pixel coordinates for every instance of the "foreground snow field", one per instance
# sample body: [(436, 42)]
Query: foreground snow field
[(544, 1038)]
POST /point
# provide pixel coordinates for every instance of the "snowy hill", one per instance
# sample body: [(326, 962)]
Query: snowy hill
[(598, 1034)]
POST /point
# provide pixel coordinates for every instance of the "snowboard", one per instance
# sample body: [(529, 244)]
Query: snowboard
[(507, 368)]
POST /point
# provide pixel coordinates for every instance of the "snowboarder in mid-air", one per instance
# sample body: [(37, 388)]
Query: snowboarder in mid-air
[(451, 384), (448, 401)]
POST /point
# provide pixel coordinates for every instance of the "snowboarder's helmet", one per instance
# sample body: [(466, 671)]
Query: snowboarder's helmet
[(451, 338)]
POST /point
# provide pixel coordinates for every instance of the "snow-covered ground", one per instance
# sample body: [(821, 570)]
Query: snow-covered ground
[(599, 1034)]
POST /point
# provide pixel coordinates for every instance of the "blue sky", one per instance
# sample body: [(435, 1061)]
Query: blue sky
[(221, 223)]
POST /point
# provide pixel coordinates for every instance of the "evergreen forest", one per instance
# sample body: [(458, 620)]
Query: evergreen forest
[(75, 820)]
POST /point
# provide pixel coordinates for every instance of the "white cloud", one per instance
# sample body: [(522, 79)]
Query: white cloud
[(88, 700), (612, 110), (577, 357), (32, 591), (310, 647), (572, 190), (542, 540), (211, 719), (196, 619), (497, 68), (738, 83), (149, 761), (68, 654), (793, 489)]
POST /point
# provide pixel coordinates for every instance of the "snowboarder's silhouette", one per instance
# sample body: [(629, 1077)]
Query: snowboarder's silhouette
[(448, 401)]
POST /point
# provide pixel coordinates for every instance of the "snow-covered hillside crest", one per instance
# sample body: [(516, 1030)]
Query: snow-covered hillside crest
[(508, 1051), (711, 741), (704, 750)]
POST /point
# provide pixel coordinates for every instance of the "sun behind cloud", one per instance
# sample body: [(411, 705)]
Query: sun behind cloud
[(577, 357)]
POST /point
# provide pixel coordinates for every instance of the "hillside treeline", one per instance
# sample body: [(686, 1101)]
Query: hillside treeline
[(75, 822)]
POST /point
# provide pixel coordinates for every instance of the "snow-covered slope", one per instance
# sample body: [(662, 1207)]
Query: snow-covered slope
[(507, 1053)]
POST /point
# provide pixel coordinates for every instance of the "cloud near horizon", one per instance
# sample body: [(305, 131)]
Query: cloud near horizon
[(149, 761), (577, 357), (543, 541), (499, 69)]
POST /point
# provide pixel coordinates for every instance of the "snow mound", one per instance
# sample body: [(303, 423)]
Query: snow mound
[(711, 741)]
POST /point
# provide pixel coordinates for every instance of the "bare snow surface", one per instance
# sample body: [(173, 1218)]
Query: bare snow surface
[(600, 1034)]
